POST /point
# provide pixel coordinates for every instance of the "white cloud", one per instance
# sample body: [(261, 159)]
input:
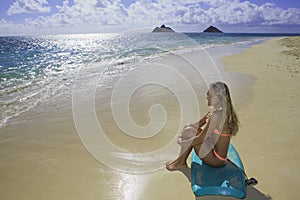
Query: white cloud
[(236, 13), (273, 15), (6, 25), (230, 12), (213, 3), (28, 6), (65, 7), (93, 13), (9, 28), (102, 3)]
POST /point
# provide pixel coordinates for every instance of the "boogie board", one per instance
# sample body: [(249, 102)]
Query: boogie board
[(228, 180)]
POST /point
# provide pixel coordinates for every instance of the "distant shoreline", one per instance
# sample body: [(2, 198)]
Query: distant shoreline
[(182, 32)]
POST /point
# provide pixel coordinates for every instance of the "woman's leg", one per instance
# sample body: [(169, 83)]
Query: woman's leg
[(185, 150)]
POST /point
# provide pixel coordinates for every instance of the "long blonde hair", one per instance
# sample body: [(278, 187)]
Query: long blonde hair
[(231, 122)]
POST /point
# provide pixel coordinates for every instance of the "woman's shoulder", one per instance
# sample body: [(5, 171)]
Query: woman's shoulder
[(217, 114)]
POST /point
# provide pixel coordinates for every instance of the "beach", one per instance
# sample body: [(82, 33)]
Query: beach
[(44, 156), (268, 137)]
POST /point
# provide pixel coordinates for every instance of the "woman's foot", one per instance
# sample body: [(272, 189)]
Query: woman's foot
[(174, 165)]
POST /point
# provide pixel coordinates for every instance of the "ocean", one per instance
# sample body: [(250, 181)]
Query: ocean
[(39, 69)]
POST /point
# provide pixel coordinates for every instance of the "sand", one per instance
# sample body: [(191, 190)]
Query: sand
[(270, 127), (44, 158)]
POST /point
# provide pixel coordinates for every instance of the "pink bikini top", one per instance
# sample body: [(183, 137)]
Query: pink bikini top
[(216, 131)]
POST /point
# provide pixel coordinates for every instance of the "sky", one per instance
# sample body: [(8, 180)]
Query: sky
[(42, 17)]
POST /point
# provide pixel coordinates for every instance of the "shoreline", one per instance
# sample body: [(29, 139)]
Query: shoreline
[(269, 122), (233, 47), (11, 117)]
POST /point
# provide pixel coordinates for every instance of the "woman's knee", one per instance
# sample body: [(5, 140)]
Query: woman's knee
[(188, 133)]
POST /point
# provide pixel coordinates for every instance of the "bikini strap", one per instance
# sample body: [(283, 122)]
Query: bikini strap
[(219, 157), (216, 131)]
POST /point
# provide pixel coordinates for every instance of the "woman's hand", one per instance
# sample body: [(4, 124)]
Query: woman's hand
[(181, 142), (195, 126), (204, 120)]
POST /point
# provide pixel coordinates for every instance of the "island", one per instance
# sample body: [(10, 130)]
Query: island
[(212, 29), (163, 28)]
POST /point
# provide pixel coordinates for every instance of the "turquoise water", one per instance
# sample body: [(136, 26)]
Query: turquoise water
[(35, 69)]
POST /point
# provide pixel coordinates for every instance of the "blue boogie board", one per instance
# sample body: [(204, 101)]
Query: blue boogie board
[(228, 180)]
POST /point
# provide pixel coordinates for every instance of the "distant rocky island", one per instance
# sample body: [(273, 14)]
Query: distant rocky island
[(163, 28), (212, 29)]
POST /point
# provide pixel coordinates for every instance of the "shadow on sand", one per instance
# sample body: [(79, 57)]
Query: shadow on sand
[(252, 193)]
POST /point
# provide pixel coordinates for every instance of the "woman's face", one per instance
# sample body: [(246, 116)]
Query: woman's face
[(212, 98)]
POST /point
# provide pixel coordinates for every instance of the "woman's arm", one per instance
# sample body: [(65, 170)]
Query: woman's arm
[(198, 131), (204, 119), (213, 123), (197, 125)]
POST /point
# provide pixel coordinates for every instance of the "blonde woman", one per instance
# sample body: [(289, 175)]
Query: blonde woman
[(210, 136)]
